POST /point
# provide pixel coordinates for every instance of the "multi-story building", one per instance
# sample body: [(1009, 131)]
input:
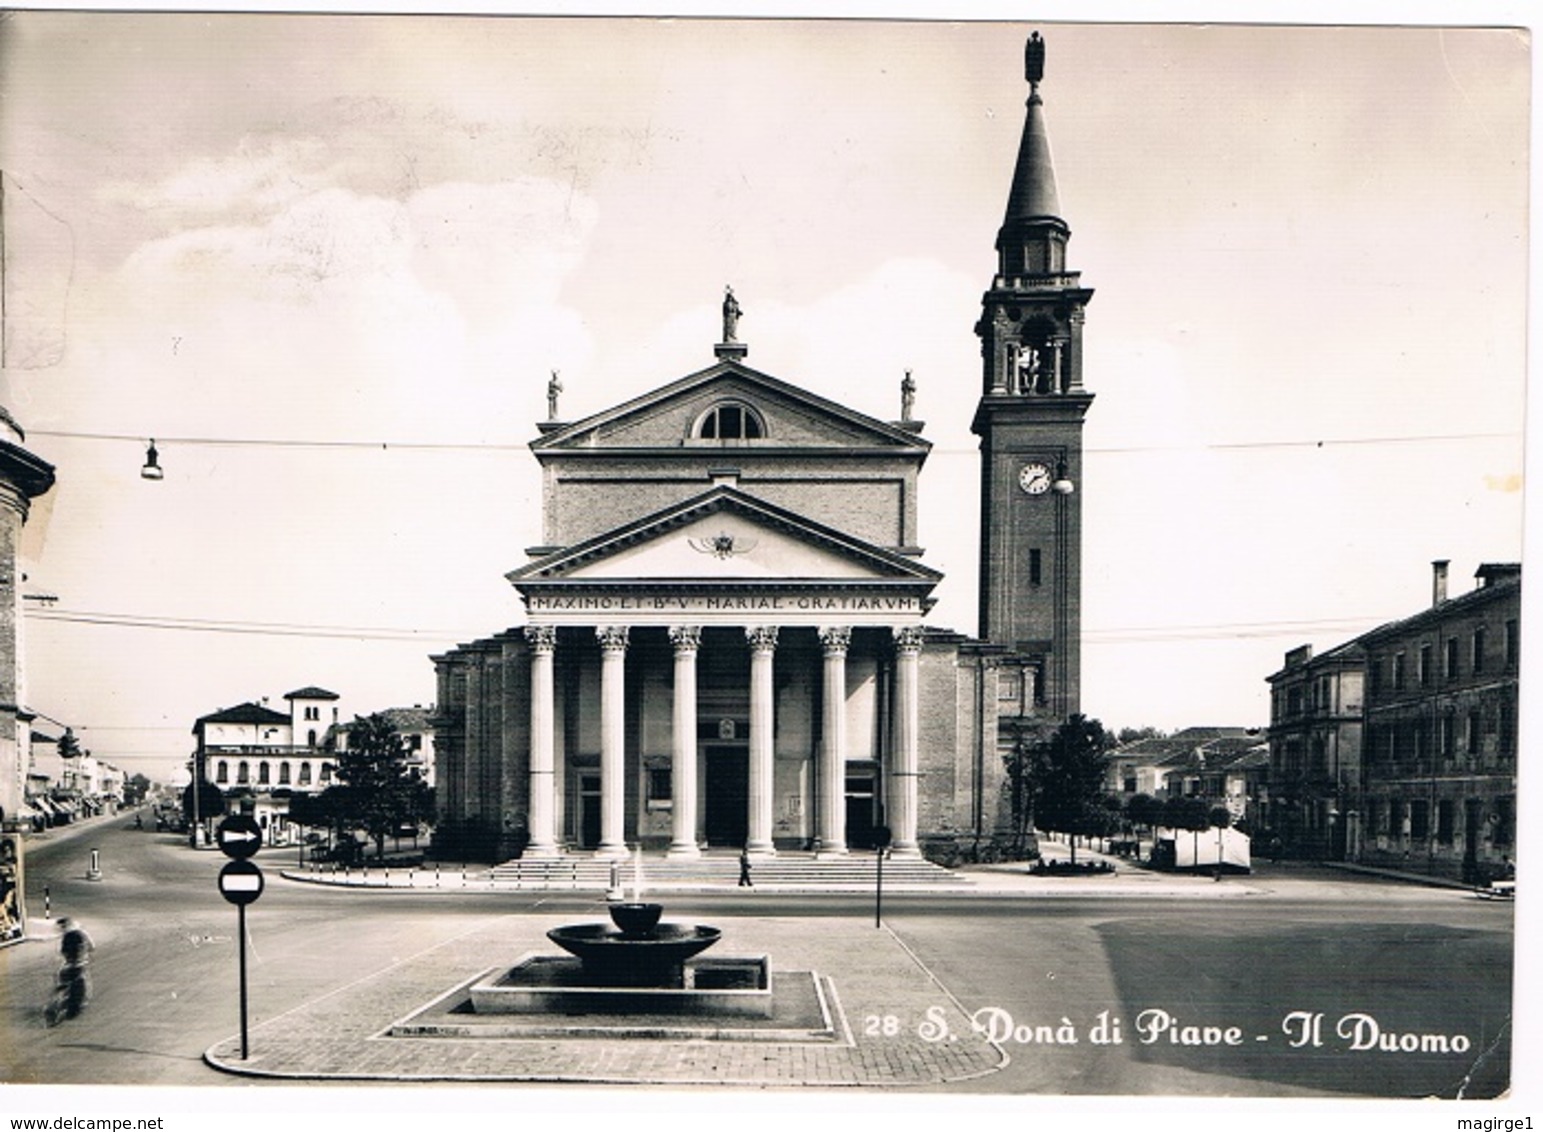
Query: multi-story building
[(1441, 730), (1225, 765), (1317, 726), (1421, 773), (259, 757)]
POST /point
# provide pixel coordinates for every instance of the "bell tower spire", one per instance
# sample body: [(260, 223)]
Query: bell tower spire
[(1029, 420)]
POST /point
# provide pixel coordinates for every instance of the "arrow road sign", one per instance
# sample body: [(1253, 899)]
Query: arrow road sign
[(239, 836), (241, 882)]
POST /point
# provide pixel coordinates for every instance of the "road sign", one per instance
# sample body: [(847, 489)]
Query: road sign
[(239, 836), (241, 882)]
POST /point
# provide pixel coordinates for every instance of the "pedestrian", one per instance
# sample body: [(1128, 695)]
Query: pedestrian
[(744, 869), (72, 989)]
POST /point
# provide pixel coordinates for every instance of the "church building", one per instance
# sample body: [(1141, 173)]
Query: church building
[(726, 638)]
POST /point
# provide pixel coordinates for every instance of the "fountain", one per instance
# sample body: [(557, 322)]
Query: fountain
[(633, 965)]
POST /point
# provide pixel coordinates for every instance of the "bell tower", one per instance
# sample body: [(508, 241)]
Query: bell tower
[(1029, 421)]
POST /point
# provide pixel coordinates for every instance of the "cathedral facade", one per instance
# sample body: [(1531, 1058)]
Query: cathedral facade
[(726, 641)]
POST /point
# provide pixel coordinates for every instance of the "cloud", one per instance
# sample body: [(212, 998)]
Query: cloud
[(259, 175)]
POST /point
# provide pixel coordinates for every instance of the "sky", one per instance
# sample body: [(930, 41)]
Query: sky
[(328, 263)]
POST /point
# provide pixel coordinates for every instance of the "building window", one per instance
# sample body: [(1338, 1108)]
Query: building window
[(313, 713), (310, 737), (222, 771), (1374, 674), (1451, 659), (730, 421), (1449, 734), (1398, 672), (305, 774), (1478, 651), (1425, 666), (1505, 820), (283, 774), (262, 773), (326, 773), (1445, 820), (660, 785), (243, 773), (1473, 731), (1034, 574), (1512, 643), (1374, 816), (1395, 817), (1419, 819)]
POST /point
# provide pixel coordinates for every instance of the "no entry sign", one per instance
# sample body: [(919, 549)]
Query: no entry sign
[(241, 882), (239, 836)]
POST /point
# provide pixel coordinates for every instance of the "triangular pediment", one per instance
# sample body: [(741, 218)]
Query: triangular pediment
[(668, 418), (724, 536)]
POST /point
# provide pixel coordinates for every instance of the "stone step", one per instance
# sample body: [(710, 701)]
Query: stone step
[(859, 871)]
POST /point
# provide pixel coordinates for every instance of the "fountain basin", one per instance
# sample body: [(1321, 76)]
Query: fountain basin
[(733, 986), (636, 919), (612, 957)]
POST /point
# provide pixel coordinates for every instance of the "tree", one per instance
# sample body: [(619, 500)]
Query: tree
[(1136, 734), (377, 791), (136, 789), (210, 803), (1067, 776)]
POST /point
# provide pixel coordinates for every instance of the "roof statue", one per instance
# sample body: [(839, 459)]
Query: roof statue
[(1034, 59), (731, 313), (553, 388)]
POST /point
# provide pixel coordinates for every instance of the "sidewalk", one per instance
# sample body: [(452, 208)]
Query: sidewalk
[(1013, 878)]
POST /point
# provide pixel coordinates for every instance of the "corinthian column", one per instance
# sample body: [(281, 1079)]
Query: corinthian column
[(763, 645), (687, 639), (831, 834), (543, 777), (613, 723), (903, 771)]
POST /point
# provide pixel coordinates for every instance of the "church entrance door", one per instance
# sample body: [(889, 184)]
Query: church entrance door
[(589, 811), (728, 795)]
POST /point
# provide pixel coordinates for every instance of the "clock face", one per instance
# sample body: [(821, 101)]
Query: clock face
[(1034, 479)]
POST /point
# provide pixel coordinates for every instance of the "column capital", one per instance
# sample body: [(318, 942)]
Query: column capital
[(835, 638), (612, 638), (541, 638), (686, 638), (762, 638), (908, 638)]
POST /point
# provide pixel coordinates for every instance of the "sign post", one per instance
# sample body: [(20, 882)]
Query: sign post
[(881, 837), (241, 882)]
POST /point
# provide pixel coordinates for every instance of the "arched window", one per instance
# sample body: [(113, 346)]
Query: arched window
[(326, 772), (730, 420), (262, 773), (283, 774), (305, 774), (310, 737), (243, 773), (222, 771)]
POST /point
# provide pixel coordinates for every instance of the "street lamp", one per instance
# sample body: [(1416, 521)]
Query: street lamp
[(152, 468)]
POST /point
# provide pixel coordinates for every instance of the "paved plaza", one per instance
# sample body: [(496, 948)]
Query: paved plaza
[(870, 981)]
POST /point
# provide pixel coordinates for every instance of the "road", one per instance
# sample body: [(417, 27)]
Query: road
[(1309, 946)]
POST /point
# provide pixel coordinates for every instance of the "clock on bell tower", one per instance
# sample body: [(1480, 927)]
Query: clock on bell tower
[(1029, 421)]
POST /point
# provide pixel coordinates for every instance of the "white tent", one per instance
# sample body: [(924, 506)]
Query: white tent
[(1204, 849)]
